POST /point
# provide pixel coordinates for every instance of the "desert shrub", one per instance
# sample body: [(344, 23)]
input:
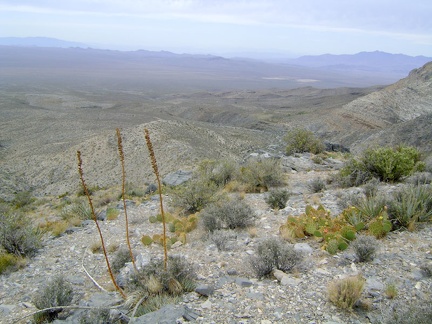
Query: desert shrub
[(426, 269), (96, 316), (316, 185), (195, 195), (159, 285), (222, 238), (344, 293), (420, 178), (231, 214), (364, 247), (301, 140), (259, 175), (411, 205), (18, 236), (277, 199), (121, 257), (354, 173), (78, 209), (347, 199), (132, 190), (391, 164), (57, 292), (219, 172), (7, 261), (370, 188), (272, 254), (22, 199)]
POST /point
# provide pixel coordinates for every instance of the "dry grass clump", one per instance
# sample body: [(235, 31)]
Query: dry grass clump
[(344, 293)]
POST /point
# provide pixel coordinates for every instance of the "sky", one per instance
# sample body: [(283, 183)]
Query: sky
[(279, 28)]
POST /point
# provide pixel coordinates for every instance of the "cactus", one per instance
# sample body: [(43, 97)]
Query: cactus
[(146, 240)]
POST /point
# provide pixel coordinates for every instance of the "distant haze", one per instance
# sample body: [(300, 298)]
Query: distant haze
[(255, 28)]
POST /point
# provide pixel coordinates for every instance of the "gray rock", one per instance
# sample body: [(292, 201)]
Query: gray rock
[(177, 178), (232, 272), (102, 215), (303, 248), (6, 309), (166, 315), (205, 290), (243, 282), (129, 203)]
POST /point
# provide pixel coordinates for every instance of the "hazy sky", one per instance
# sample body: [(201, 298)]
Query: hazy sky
[(226, 27)]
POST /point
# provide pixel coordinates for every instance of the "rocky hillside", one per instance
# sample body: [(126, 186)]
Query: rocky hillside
[(395, 114), (227, 288)]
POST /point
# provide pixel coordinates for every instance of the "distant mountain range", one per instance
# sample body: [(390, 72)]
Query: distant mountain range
[(366, 61), (39, 42)]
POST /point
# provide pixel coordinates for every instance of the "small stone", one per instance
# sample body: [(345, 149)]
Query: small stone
[(206, 305), (244, 282), (176, 245), (232, 272)]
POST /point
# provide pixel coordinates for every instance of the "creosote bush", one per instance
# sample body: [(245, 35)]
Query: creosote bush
[(277, 199), (301, 140), (227, 214), (364, 247), (344, 293), (386, 164), (273, 254), (57, 292)]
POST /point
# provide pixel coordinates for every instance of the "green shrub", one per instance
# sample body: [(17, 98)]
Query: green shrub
[(272, 254), (370, 188), (56, 293), (301, 140), (354, 173), (231, 214), (391, 164), (79, 209), (22, 199), (277, 199), (18, 236), (410, 205), (195, 195), (219, 172), (385, 163), (344, 293), (7, 261), (96, 316), (365, 247), (259, 175)]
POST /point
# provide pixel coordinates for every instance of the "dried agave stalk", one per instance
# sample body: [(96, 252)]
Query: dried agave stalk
[(156, 172), (120, 149), (81, 174)]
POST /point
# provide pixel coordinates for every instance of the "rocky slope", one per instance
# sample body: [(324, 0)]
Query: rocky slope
[(390, 114), (229, 292)]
